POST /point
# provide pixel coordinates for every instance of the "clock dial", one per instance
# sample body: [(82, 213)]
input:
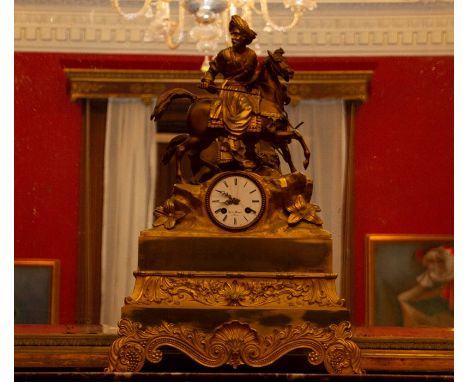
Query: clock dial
[(235, 201)]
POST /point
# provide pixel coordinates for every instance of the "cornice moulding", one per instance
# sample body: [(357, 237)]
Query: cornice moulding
[(103, 83), (335, 28)]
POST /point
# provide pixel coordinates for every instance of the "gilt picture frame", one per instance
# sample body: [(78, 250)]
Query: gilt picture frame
[(37, 291), (409, 280)]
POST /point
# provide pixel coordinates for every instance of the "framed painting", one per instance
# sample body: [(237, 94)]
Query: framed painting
[(410, 280), (37, 291)]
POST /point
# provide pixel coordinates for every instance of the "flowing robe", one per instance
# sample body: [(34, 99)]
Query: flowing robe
[(238, 69)]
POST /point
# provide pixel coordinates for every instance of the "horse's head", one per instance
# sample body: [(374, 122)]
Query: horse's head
[(279, 64)]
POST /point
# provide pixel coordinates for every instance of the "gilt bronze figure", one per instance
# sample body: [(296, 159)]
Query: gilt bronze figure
[(245, 125)]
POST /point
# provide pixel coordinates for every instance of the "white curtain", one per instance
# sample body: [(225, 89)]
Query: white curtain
[(129, 186), (324, 131)]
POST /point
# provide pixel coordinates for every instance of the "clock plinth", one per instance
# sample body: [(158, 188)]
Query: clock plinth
[(229, 295), (233, 253)]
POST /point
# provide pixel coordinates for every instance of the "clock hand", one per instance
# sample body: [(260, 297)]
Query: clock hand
[(230, 200), (224, 193), (248, 210)]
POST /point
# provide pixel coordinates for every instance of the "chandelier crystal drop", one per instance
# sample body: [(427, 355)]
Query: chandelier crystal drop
[(210, 18)]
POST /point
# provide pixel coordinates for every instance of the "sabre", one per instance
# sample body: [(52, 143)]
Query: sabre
[(214, 89), (299, 125)]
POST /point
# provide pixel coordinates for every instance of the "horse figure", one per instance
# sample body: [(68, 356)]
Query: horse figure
[(278, 132), (274, 96)]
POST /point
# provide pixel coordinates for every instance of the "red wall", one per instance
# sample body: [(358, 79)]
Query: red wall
[(47, 159), (403, 145), (404, 154)]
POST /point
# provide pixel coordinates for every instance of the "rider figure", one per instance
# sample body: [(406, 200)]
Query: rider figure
[(238, 65)]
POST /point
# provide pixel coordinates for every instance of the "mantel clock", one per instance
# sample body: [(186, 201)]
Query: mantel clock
[(236, 269)]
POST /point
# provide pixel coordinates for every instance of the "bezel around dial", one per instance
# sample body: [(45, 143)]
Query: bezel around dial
[(236, 219)]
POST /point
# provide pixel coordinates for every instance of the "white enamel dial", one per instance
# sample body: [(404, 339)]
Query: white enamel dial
[(235, 201)]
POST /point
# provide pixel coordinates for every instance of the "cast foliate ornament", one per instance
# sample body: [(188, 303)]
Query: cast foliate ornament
[(236, 343), (167, 215), (248, 292), (300, 210)]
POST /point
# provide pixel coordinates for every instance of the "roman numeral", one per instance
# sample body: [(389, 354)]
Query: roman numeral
[(255, 201), (225, 183), (251, 192)]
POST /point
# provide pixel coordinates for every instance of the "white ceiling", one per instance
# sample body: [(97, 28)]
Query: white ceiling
[(334, 28)]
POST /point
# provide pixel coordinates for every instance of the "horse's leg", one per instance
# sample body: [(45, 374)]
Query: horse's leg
[(250, 157), (306, 150), (294, 134), (287, 156), (181, 149)]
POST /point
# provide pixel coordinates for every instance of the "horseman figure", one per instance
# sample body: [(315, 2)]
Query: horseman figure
[(245, 125), (238, 65), (237, 105)]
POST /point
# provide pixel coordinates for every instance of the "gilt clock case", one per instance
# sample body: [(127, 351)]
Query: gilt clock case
[(269, 244)]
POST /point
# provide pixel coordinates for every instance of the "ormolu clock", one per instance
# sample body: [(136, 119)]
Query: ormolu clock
[(235, 201)]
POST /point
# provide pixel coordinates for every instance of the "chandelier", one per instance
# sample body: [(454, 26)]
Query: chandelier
[(211, 18)]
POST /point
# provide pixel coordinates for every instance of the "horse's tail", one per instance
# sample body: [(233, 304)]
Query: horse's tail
[(166, 98), (171, 147)]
